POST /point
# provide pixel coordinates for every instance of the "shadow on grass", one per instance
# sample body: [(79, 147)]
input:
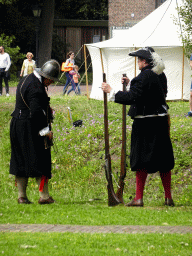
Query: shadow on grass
[(96, 201)]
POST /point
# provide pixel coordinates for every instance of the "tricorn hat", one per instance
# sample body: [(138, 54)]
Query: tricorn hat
[(50, 70), (145, 53), (151, 57)]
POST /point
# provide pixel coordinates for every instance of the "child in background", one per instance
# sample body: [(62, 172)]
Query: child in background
[(76, 76)]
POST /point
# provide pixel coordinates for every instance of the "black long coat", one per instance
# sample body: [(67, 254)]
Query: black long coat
[(151, 146), (29, 158)]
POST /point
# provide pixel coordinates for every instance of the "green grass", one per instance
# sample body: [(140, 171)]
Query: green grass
[(86, 213), (79, 185), (78, 172), (69, 244)]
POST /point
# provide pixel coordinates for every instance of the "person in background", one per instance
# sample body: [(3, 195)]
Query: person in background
[(70, 59), (30, 132), (190, 97), (28, 65), (76, 77), (5, 63), (151, 148)]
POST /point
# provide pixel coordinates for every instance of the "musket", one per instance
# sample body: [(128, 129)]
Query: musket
[(112, 197), (123, 151)]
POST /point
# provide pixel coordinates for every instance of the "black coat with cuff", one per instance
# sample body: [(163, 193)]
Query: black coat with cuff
[(151, 147), (146, 95), (29, 158)]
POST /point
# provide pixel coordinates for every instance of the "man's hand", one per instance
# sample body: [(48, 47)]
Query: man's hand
[(125, 79), (50, 135), (106, 87)]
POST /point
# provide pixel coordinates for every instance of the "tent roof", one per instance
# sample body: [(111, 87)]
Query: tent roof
[(157, 29)]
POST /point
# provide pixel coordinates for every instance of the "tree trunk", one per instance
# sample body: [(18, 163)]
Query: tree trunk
[(46, 31)]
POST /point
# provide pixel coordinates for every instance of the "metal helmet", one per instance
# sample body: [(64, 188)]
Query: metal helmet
[(50, 70)]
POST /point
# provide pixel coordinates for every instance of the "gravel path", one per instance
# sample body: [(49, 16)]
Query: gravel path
[(55, 90), (94, 229)]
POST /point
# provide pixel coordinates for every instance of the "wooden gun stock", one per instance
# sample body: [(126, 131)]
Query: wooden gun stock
[(123, 152), (112, 198)]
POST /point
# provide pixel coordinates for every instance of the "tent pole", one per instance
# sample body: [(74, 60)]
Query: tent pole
[(183, 65), (85, 57), (101, 60), (135, 64)]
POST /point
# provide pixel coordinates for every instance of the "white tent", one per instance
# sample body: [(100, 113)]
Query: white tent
[(157, 30)]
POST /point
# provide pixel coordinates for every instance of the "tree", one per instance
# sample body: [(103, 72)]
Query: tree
[(82, 10), (46, 31), (19, 21), (7, 1), (185, 21), (16, 18)]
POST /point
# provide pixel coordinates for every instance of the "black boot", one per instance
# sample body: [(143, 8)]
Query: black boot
[(169, 202), (138, 203)]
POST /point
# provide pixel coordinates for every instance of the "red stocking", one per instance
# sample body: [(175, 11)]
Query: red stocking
[(166, 180), (141, 176), (44, 179)]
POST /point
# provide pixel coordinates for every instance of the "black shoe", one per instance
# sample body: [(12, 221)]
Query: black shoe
[(169, 202), (50, 200), (138, 203), (23, 200)]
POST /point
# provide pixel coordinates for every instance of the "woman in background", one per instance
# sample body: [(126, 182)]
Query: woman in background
[(28, 65), (69, 77)]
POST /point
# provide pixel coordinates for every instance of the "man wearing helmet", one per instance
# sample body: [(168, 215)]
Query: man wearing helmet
[(30, 132), (151, 148)]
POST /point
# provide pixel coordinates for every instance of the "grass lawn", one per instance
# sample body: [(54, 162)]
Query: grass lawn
[(72, 244), (78, 185)]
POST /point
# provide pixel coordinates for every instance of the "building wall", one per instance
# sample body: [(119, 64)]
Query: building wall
[(126, 13), (76, 33)]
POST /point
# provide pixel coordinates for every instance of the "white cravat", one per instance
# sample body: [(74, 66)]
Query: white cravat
[(37, 75)]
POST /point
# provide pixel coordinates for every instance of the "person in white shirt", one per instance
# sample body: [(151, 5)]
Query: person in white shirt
[(5, 64)]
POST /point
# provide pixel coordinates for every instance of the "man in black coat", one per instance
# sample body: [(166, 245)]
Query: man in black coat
[(151, 148), (30, 132)]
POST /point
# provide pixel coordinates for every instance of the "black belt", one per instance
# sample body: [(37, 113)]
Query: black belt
[(21, 113)]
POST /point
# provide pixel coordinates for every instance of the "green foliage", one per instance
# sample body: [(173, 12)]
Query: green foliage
[(82, 10), (95, 9), (185, 20), (14, 52), (8, 2)]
